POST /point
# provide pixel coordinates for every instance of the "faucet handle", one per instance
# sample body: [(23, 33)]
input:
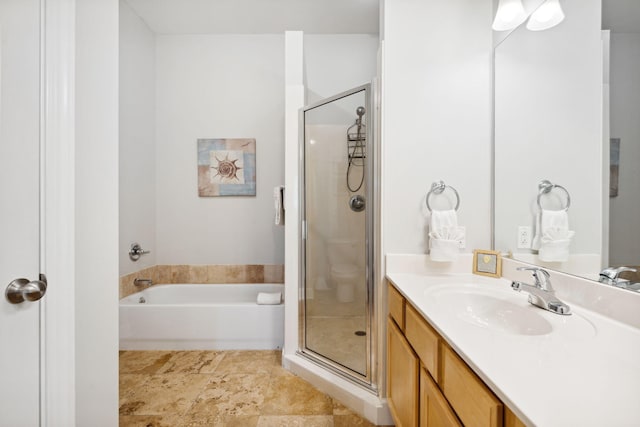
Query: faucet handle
[(611, 275), (623, 269), (535, 269), (541, 275)]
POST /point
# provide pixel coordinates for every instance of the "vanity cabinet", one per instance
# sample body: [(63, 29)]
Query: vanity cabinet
[(402, 382), (428, 384), (434, 408)]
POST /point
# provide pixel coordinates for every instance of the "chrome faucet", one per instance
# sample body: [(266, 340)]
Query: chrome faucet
[(541, 293), (611, 276)]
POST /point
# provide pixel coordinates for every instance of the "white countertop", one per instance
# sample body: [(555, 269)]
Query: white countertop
[(585, 372)]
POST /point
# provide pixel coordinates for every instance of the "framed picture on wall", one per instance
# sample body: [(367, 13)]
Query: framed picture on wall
[(226, 167)]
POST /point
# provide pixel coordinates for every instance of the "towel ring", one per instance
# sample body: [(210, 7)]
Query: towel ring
[(546, 187), (438, 188)]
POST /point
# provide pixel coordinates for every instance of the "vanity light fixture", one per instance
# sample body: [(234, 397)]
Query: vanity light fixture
[(548, 15), (510, 14)]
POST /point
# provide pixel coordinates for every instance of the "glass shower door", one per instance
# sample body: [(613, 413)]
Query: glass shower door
[(336, 219)]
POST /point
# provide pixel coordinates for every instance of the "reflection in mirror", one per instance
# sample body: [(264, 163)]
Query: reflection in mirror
[(622, 19), (548, 126), (553, 121)]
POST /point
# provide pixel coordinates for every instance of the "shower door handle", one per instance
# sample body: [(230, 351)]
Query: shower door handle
[(20, 290)]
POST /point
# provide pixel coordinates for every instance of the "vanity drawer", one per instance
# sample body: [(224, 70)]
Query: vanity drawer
[(434, 408), (423, 339), (396, 306), (473, 402)]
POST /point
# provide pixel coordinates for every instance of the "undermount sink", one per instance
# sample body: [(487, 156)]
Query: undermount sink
[(503, 311)]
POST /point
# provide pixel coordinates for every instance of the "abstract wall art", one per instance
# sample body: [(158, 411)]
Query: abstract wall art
[(226, 167)]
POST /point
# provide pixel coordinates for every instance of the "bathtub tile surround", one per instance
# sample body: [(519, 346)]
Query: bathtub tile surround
[(126, 282), (180, 274), (274, 273), (227, 388), (197, 274), (163, 273), (203, 274)]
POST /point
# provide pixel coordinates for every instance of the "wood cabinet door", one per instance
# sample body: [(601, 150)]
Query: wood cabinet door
[(434, 408), (402, 378)]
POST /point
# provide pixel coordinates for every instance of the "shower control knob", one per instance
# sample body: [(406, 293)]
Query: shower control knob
[(136, 251), (357, 203)]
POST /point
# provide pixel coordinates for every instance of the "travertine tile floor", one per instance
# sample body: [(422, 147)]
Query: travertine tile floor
[(221, 388), (332, 326)]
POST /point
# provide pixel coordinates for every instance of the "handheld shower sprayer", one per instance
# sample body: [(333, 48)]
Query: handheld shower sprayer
[(356, 139)]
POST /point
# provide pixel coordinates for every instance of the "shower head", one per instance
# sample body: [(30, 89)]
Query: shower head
[(360, 111)]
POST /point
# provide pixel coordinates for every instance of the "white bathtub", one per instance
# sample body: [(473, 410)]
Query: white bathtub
[(201, 317)]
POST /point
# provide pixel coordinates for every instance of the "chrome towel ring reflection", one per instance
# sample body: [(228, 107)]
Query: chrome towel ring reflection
[(546, 187), (438, 188)]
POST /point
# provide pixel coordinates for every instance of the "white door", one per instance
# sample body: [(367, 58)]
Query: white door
[(19, 211)]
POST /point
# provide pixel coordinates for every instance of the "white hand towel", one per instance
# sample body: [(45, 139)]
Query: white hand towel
[(269, 298), (278, 201), (554, 251), (547, 220), (553, 237), (442, 250), (440, 219), (444, 234)]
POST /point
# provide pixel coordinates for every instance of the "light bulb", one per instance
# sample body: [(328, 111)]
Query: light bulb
[(510, 14), (548, 15)]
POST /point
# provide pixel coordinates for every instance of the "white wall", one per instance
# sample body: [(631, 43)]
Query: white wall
[(218, 86), (625, 104), (548, 115), (334, 63), (96, 135), (205, 89), (436, 105), (294, 92), (137, 140)]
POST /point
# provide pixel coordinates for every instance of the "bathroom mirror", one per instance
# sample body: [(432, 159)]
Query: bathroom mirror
[(556, 108)]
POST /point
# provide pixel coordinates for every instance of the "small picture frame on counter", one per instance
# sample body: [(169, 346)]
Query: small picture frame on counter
[(487, 263)]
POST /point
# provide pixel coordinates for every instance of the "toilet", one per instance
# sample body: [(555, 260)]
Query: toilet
[(343, 268)]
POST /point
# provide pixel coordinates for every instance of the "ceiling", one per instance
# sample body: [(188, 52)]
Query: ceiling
[(310, 16), (258, 16)]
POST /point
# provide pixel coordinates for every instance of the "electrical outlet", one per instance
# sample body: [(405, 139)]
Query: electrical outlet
[(524, 237), (462, 242)]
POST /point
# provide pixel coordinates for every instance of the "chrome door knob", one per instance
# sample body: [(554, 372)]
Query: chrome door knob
[(21, 290)]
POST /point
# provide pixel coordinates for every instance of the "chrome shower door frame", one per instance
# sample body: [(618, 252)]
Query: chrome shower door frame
[(369, 381)]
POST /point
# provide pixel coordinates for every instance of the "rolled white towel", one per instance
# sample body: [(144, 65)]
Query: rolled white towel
[(269, 298)]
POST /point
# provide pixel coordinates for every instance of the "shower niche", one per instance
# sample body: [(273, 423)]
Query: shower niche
[(336, 285)]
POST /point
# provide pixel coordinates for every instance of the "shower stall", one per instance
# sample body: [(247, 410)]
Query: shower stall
[(337, 327)]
